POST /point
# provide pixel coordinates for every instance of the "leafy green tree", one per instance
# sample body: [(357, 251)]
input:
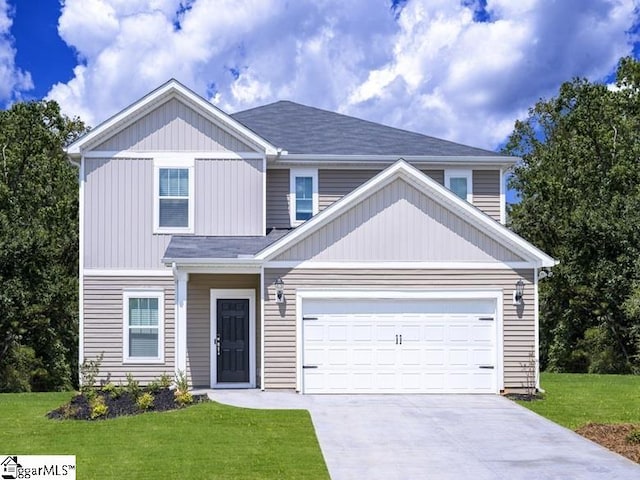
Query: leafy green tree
[(579, 184), (38, 248)]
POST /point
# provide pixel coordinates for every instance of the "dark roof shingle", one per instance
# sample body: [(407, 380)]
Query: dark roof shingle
[(300, 129), (193, 247)]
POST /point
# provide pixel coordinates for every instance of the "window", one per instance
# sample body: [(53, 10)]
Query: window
[(143, 314), (303, 196), (173, 198), (460, 183)]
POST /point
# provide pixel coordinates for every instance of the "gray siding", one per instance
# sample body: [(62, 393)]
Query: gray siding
[(118, 227), (280, 320), (399, 223), (335, 184), (119, 195), (486, 192), (228, 197), (199, 321), (103, 326), (278, 198), (174, 126)]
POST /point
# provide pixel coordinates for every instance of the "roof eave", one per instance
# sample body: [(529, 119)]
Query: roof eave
[(300, 158)]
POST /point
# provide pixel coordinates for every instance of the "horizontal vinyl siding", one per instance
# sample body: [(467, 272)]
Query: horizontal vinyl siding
[(280, 319), (278, 198), (118, 218), (199, 321), (228, 197), (399, 223), (173, 126), (335, 184), (486, 192), (103, 326)]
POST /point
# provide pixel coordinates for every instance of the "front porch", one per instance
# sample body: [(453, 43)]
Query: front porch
[(218, 329)]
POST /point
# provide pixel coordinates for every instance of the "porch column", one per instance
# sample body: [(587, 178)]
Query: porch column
[(181, 321)]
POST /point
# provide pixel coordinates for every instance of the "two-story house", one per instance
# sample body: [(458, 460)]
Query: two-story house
[(288, 247)]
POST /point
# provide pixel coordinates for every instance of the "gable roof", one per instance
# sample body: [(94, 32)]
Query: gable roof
[(401, 169), (300, 129), (171, 89)]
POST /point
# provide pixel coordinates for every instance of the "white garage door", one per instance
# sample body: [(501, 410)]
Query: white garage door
[(399, 346)]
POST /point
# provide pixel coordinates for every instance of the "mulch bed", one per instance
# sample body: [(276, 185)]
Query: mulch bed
[(79, 408), (613, 437)]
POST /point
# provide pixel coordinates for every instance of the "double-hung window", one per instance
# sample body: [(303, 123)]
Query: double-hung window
[(143, 314), (173, 198), (460, 183), (303, 195)]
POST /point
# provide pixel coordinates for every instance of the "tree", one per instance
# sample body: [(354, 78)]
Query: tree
[(579, 184), (38, 248)]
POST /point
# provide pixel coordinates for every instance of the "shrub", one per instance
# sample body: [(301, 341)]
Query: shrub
[(133, 386), (114, 391), (165, 381), (634, 437), (183, 398), (182, 382), (89, 370), (98, 407), (145, 401), (154, 386)]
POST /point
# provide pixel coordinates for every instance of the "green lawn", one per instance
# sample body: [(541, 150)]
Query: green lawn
[(205, 441), (573, 400)]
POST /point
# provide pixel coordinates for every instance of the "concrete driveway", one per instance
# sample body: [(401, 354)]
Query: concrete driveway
[(441, 437)]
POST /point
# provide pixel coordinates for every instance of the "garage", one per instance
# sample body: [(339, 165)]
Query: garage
[(399, 345)]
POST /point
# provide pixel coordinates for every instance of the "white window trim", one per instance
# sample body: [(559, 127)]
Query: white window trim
[(159, 163), (126, 296), (302, 172), (450, 173)]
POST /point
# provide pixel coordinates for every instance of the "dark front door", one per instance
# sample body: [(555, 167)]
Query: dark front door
[(233, 340)]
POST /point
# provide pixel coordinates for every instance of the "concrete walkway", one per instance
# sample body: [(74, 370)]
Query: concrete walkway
[(440, 437)]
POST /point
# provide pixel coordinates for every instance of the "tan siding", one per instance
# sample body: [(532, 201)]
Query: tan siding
[(118, 228), (228, 197), (486, 192), (103, 326), (199, 321), (280, 320), (173, 126), (399, 223), (278, 198)]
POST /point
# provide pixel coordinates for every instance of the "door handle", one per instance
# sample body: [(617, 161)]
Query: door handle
[(218, 344), (400, 339)]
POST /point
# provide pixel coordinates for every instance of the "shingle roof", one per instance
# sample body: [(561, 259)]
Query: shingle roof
[(300, 129), (193, 247)]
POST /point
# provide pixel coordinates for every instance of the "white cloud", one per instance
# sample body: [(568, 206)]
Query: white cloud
[(433, 69), (13, 81)]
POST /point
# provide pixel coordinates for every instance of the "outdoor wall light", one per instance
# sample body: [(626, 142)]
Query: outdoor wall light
[(518, 293), (279, 285)]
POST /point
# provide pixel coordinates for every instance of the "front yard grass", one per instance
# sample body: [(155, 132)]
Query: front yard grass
[(207, 441), (602, 408), (573, 400)]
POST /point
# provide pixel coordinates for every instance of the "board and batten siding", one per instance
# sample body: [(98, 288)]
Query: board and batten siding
[(104, 323), (174, 126), (119, 196), (118, 206), (399, 223), (199, 321), (280, 319), (486, 192), (278, 198), (228, 197)]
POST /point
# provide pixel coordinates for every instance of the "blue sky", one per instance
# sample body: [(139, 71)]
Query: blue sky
[(461, 70)]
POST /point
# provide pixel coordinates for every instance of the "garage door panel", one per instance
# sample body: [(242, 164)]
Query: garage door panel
[(385, 346)]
